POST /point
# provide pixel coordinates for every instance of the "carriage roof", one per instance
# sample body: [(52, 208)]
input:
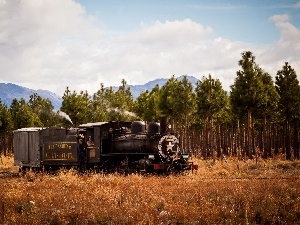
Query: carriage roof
[(96, 124), (29, 129)]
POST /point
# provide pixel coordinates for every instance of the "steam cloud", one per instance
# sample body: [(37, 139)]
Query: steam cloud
[(64, 115), (122, 112)]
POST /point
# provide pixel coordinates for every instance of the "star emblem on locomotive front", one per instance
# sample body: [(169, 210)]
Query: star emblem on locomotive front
[(168, 146)]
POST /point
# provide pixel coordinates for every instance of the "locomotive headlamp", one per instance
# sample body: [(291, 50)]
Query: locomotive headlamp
[(185, 156), (150, 156)]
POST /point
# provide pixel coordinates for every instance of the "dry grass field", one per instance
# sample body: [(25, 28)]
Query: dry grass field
[(232, 192)]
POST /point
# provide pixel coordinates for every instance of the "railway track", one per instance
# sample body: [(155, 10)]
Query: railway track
[(14, 174)]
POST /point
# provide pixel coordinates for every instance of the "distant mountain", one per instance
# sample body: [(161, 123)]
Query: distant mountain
[(10, 91), (137, 89)]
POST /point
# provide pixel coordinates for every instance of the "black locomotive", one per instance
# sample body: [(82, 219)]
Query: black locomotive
[(117, 147)]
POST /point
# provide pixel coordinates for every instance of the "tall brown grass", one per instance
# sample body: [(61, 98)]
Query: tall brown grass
[(232, 192)]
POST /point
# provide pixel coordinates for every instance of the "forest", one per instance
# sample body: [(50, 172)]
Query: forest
[(259, 116)]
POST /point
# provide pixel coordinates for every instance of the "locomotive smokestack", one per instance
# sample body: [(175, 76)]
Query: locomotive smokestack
[(163, 124)]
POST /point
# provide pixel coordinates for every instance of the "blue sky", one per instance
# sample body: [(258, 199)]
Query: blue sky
[(236, 20), (52, 44)]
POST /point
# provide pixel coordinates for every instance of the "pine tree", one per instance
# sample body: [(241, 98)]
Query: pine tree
[(146, 105), (44, 109), (246, 97), (287, 86), (23, 115), (99, 105), (121, 103), (6, 126), (76, 106), (211, 101), (266, 111), (168, 95)]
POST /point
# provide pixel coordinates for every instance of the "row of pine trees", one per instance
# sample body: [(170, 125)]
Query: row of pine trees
[(258, 116)]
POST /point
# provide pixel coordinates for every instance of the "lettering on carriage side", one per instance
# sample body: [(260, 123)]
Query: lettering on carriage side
[(59, 145), (51, 155), (67, 155), (59, 150), (59, 156)]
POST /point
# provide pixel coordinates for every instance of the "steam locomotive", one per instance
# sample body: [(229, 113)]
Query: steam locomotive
[(117, 147)]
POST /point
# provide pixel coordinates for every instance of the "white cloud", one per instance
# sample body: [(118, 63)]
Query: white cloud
[(286, 49), (52, 44), (37, 38), (173, 31), (280, 18)]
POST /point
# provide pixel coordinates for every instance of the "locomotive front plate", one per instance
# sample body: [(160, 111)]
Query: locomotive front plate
[(168, 146)]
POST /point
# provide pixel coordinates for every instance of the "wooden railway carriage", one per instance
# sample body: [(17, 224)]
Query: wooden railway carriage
[(118, 146), (38, 147), (26, 147)]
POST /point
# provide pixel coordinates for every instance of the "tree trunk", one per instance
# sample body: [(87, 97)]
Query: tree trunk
[(5, 145), (296, 141), (218, 140), (211, 139), (249, 137), (288, 140), (186, 141), (264, 143)]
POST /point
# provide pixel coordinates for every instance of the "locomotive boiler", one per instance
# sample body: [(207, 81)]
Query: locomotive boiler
[(118, 146)]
